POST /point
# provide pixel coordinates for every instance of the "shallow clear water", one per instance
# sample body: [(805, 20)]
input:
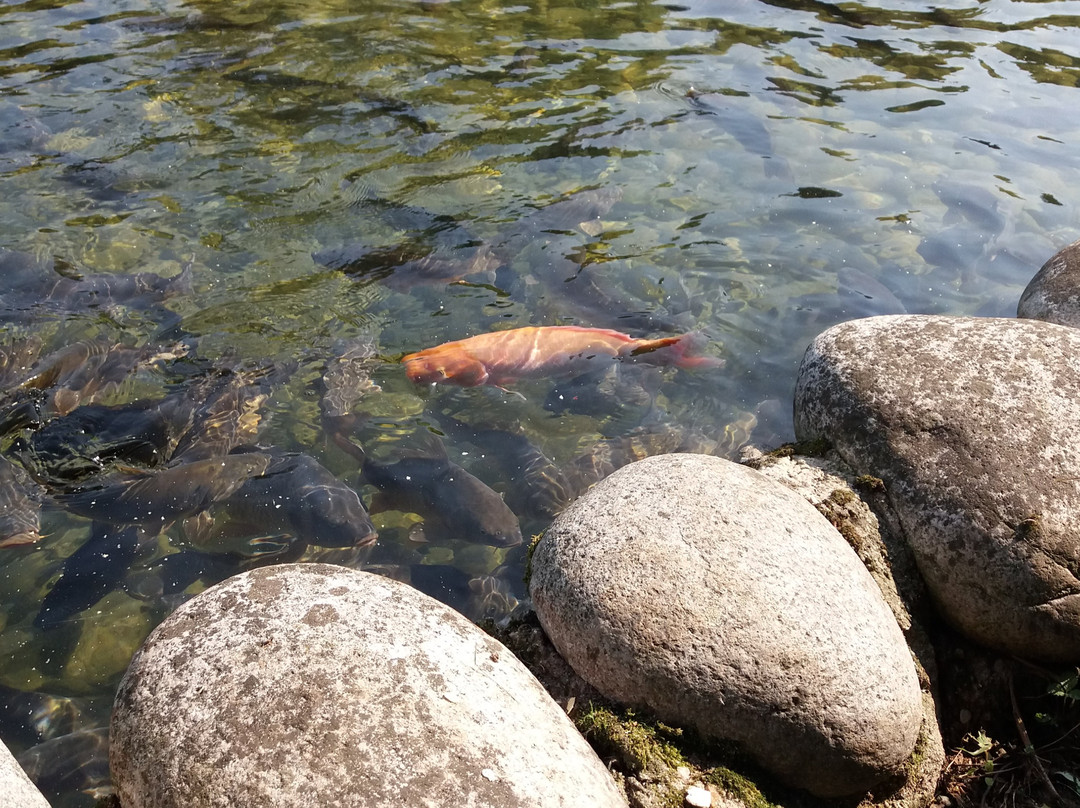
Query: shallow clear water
[(755, 177)]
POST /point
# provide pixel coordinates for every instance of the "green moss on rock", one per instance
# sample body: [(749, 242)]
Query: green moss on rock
[(842, 496), (634, 743), (816, 447), (870, 483), (527, 576), (737, 786)]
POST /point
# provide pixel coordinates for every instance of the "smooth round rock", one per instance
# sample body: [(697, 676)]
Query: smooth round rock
[(1053, 294), (718, 599), (971, 423), (316, 685)]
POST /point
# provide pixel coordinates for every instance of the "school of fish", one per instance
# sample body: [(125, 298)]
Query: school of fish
[(180, 488)]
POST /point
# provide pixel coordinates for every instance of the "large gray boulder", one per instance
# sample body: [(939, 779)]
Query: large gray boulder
[(315, 685), (717, 599), (1054, 293), (972, 425), (15, 787), (830, 485)]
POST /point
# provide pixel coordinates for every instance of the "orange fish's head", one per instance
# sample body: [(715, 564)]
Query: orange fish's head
[(445, 363)]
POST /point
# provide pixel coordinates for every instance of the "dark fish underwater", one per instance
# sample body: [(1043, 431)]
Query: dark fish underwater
[(453, 503)]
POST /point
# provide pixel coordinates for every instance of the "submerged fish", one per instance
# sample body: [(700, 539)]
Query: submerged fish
[(605, 456), (536, 486), (28, 717), (225, 414), (78, 761), (484, 597), (20, 506), (347, 378), (744, 127), (453, 503), (32, 284), (501, 357), (91, 437), (861, 295), (975, 204), (94, 570), (166, 578), (171, 493), (576, 211), (561, 265), (77, 374), (406, 265), (621, 395), (173, 573), (144, 288), (297, 496), (345, 382), (69, 364), (16, 359)]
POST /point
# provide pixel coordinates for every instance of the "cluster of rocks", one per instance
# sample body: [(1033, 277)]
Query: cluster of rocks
[(764, 605), (707, 594)]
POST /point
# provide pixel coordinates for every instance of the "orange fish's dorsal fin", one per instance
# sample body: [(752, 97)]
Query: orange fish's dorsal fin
[(643, 346), (676, 351)]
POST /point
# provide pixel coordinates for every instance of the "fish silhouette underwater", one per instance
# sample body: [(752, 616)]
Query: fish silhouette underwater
[(453, 503), (94, 570), (294, 497), (536, 485)]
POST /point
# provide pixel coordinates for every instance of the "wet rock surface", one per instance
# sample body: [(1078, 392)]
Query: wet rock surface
[(314, 684), (718, 600), (970, 424)]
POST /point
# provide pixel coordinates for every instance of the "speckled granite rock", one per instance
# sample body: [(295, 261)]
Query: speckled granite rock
[(718, 599), (315, 685), (1054, 293), (831, 486), (971, 424), (15, 786)]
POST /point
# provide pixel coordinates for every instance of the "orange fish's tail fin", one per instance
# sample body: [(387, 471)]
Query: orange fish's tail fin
[(681, 351)]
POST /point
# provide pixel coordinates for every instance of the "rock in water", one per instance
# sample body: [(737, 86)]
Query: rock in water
[(720, 600), (1054, 293), (971, 424), (310, 684)]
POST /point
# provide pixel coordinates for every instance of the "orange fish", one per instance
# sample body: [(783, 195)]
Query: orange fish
[(501, 357)]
